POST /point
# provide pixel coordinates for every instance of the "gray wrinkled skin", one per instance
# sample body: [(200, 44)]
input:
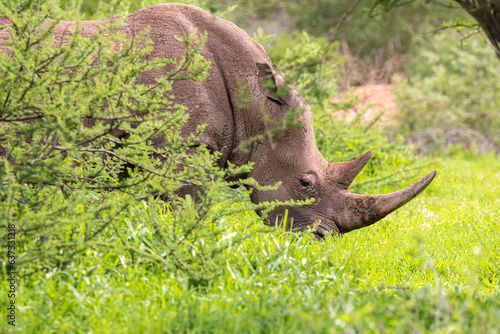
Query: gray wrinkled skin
[(291, 156)]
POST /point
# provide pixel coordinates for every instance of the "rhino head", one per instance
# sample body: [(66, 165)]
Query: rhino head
[(293, 158)]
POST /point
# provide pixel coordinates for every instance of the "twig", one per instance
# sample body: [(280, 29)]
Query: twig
[(333, 35), (21, 119), (52, 147)]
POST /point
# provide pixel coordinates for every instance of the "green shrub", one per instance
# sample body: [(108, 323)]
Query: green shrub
[(450, 95), (76, 131)]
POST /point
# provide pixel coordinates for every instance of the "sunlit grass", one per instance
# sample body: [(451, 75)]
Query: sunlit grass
[(433, 265)]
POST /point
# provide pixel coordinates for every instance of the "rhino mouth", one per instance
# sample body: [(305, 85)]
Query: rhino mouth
[(299, 223)]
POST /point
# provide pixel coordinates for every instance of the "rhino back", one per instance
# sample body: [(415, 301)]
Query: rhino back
[(215, 102), (233, 56)]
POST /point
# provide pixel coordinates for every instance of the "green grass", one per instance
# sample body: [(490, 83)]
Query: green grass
[(432, 266)]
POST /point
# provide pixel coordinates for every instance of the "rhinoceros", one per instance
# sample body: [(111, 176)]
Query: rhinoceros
[(290, 156)]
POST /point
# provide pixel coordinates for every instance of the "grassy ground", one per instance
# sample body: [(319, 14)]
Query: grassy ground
[(433, 266)]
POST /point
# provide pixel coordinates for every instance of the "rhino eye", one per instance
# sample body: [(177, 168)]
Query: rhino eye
[(305, 183)]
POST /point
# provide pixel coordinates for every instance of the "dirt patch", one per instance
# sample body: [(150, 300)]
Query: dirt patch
[(375, 99)]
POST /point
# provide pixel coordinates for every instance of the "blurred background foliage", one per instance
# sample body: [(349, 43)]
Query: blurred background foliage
[(445, 78), (449, 96)]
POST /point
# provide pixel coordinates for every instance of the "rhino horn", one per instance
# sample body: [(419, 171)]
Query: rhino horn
[(364, 210), (344, 173)]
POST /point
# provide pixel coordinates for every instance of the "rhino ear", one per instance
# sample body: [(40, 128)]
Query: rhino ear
[(272, 83)]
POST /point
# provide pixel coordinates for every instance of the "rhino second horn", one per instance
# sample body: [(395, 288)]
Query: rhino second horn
[(344, 173), (364, 210)]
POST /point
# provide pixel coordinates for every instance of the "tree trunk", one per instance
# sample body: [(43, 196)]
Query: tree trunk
[(487, 14)]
